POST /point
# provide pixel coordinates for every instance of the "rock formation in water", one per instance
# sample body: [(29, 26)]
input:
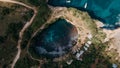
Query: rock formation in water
[(56, 40)]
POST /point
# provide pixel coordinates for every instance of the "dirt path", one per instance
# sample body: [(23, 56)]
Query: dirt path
[(21, 33)]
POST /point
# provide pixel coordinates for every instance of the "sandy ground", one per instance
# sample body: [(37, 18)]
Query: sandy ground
[(113, 37)]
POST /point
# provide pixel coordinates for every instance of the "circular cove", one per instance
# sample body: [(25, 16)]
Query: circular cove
[(56, 40)]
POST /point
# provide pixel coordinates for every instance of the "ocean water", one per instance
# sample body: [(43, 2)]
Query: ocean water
[(107, 11), (56, 40)]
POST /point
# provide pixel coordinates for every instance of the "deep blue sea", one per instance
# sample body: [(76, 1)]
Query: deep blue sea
[(56, 40), (107, 11)]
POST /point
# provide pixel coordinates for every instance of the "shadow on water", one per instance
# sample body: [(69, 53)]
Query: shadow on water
[(56, 40)]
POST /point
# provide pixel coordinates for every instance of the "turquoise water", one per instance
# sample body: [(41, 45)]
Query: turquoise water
[(56, 40), (107, 11)]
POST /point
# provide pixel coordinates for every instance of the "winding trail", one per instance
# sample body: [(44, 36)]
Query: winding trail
[(21, 33)]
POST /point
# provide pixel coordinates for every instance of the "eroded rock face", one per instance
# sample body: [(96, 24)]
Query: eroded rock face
[(56, 40)]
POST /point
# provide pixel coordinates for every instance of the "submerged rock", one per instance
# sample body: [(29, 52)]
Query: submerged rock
[(56, 40)]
